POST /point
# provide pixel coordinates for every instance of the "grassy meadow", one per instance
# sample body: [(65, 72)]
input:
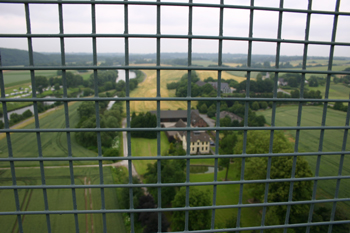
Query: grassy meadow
[(309, 142), (59, 199), (53, 144)]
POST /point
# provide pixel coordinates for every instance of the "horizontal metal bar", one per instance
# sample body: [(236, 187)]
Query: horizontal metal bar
[(92, 67), (170, 36), (245, 99), (48, 130), (173, 209), (160, 157), (185, 184), (179, 4), (271, 227)]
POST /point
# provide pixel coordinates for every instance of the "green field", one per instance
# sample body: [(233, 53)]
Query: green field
[(322, 68), (309, 142), (12, 78), (319, 61), (59, 199), (53, 144), (147, 147)]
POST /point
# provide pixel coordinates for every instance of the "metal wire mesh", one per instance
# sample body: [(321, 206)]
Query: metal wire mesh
[(189, 68)]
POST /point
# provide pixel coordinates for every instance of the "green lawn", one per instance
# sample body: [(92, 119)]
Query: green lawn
[(309, 142), (53, 144), (59, 199), (147, 147)]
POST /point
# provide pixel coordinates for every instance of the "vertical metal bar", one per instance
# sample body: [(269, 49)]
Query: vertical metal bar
[(340, 170), (297, 135), (221, 22), (324, 115), (36, 115), (345, 137), (97, 109), (66, 111), (159, 170), (249, 63), (9, 148), (188, 133), (127, 94), (273, 116)]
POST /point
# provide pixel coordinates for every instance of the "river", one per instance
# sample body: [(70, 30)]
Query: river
[(121, 76)]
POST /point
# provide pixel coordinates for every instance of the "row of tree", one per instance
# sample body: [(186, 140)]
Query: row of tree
[(143, 120), (258, 86)]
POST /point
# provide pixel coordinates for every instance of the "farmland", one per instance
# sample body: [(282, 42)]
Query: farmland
[(53, 144), (148, 89), (309, 141), (60, 199)]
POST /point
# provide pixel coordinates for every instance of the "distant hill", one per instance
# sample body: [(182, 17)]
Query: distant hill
[(16, 57)]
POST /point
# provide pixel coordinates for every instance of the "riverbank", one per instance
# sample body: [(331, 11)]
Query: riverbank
[(30, 120)]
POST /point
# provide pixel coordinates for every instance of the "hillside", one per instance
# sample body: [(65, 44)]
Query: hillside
[(16, 57)]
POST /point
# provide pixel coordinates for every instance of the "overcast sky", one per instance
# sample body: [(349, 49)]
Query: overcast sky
[(174, 20)]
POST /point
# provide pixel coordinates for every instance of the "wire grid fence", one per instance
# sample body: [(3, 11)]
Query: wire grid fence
[(189, 68)]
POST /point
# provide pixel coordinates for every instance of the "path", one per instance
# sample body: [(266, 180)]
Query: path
[(283, 91), (125, 149)]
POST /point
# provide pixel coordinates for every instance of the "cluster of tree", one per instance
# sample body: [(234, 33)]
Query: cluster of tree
[(181, 86), (307, 94), (340, 106), (238, 109), (143, 120), (172, 171), (121, 85), (293, 80), (175, 149), (108, 119), (149, 220), (197, 219), (258, 86), (281, 167), (15, 118), (73, 80), (345, 80), (315, 81), (230, 82)]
